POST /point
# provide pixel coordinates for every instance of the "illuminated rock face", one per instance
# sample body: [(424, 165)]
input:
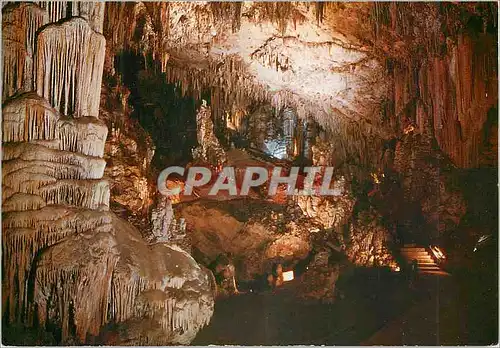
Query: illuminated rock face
[(453, 95), (368, 242), (363, 71), (72, 263), (254, 53), (67, 260), (426, 178)]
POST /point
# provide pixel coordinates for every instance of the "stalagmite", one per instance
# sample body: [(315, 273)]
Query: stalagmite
[(84, 266), (69, 67), (20, 21)]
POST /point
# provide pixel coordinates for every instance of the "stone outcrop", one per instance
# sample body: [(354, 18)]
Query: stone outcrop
[(427, 179), (68, 261), (128, 152), (368, 241), (320, 278), (209, 149)]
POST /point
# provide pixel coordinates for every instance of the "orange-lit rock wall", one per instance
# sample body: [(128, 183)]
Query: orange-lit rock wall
[(454, 93)]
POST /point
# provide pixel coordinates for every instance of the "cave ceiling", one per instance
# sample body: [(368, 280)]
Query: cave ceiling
[(355, 68)]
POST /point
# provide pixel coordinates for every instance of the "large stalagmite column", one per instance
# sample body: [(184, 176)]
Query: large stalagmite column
[(67, 260)]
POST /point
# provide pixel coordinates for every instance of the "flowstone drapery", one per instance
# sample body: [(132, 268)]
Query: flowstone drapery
[(68, 262), (19, 25), (69, 67)]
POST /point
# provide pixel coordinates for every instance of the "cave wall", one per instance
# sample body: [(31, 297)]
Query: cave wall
[(442, 106), (128, 152), (69, 264), (455, 93), (444, 75)]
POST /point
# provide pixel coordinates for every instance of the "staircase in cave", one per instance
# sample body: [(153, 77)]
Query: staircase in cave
[(425, 261)]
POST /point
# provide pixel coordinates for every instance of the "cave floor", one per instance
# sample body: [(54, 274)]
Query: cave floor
[(371, 298), (378, 308)]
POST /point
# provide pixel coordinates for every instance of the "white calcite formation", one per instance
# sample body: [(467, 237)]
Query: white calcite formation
[(274, 52), (28, 118), (67, 260), (368, 241)]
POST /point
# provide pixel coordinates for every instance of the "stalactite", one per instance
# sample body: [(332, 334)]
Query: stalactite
[(92, 194), (24, 233), (19, 24), (175, 307), (455, 93), (30, 176), (74, 280), (120, 24), (22, 201), (85, 135), (69, 67), (93, 12)]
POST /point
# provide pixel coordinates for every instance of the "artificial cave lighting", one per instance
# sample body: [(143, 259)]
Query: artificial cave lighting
[(288, 276)]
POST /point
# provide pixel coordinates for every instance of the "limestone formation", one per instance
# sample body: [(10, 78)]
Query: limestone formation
[(28, 118), (128, 152), (369, 241), (399, 98), (69, 66), (320, 279), (329, 211), (68, 262), (19, 25), (209, 149), (429, 183), (92, 12)]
